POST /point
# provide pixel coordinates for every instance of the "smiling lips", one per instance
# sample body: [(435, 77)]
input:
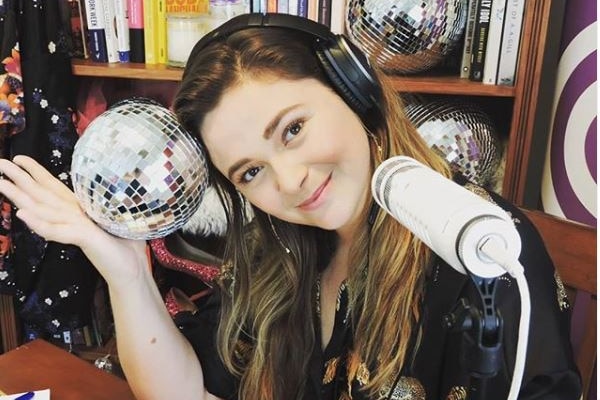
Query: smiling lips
[(311, 202)]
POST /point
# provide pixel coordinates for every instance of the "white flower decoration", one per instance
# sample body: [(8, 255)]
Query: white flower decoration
[(63, 293), (54, 118), (44, 103), (63, 176), (48, 301), (52, 47), (3, 275), (55, 322), (56, 153)]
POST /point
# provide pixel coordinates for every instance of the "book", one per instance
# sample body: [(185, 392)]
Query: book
[(122, 29), (272, 6), (492, 54), (161, 30), (150, 32), (78, 30), (324, 12), (465, 65), (283, 6), (110, 30), (303, 8), (312, 10), (293, 7), (338, 17), (135, 10), (480, 34), (94, 16), (511, 37)]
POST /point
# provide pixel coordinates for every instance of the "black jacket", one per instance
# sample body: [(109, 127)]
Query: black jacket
[(436, 367)]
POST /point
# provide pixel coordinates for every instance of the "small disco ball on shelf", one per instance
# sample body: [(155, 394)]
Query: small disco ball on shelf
[(463, 134), (136, 172), (406, 36)]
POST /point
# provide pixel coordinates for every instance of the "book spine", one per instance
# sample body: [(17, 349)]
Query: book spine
[(110, 31), (303, 8), (465, 66), (480, 34), (150, 33), (492, 54), (122, 25), (293, 7), (272, 6), (313, 10), (161, 27), (283, 6), (338, 17), (77, 29), (135, 10), (325, 12), (255, 6), (94, 15), (511, 37)]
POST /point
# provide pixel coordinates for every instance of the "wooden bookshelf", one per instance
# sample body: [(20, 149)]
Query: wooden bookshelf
[(442, 84), (159, 72)]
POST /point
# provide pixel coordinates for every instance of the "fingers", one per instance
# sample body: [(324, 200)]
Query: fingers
[(45, 204), (43, 177)]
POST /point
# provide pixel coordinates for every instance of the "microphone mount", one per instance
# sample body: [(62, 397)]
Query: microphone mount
[(482, 329)]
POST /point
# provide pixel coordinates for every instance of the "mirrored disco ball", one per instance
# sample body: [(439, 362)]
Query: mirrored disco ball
[(136, 172), (463, 133), (406, 36)]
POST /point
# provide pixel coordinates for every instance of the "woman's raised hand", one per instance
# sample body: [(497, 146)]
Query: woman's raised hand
[(50, 209)]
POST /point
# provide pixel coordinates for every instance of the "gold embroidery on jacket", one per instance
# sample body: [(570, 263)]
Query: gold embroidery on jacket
[(457, 393), (330, 370), (561, 293), (242, 350), (407, 388), (357, 370)]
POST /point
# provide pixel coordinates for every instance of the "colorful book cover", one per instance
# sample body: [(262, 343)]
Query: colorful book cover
[(150, 32), (161, 28), (135, 10)]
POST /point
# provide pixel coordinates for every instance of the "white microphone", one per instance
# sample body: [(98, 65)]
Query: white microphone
[(452, 221)]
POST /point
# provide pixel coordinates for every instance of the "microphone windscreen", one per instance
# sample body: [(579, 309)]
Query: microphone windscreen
[(136, 172)]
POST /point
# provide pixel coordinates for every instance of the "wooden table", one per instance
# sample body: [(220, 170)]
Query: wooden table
[(40, 365)]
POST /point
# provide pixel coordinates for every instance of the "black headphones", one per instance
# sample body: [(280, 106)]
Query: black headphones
[(345, 65)]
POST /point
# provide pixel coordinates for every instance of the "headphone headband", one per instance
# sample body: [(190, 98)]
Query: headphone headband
[(344, 64)]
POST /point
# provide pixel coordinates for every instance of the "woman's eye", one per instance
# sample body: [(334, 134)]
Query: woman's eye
[(292, 130), (249, 174)]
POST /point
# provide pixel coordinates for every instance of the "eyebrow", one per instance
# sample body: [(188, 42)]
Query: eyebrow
[(268, 132)]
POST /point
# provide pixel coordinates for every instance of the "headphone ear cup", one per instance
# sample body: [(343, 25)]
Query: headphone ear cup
[(342, 89)]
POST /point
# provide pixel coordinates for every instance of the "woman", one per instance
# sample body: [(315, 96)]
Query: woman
[(322, 294)]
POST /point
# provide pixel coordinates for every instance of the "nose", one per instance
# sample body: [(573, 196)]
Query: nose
[(289, 174)]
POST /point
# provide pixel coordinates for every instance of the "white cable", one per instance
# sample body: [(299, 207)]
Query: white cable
[(495, 252)]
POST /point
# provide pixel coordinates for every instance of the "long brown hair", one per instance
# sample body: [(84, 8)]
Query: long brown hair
[(266, 332)]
